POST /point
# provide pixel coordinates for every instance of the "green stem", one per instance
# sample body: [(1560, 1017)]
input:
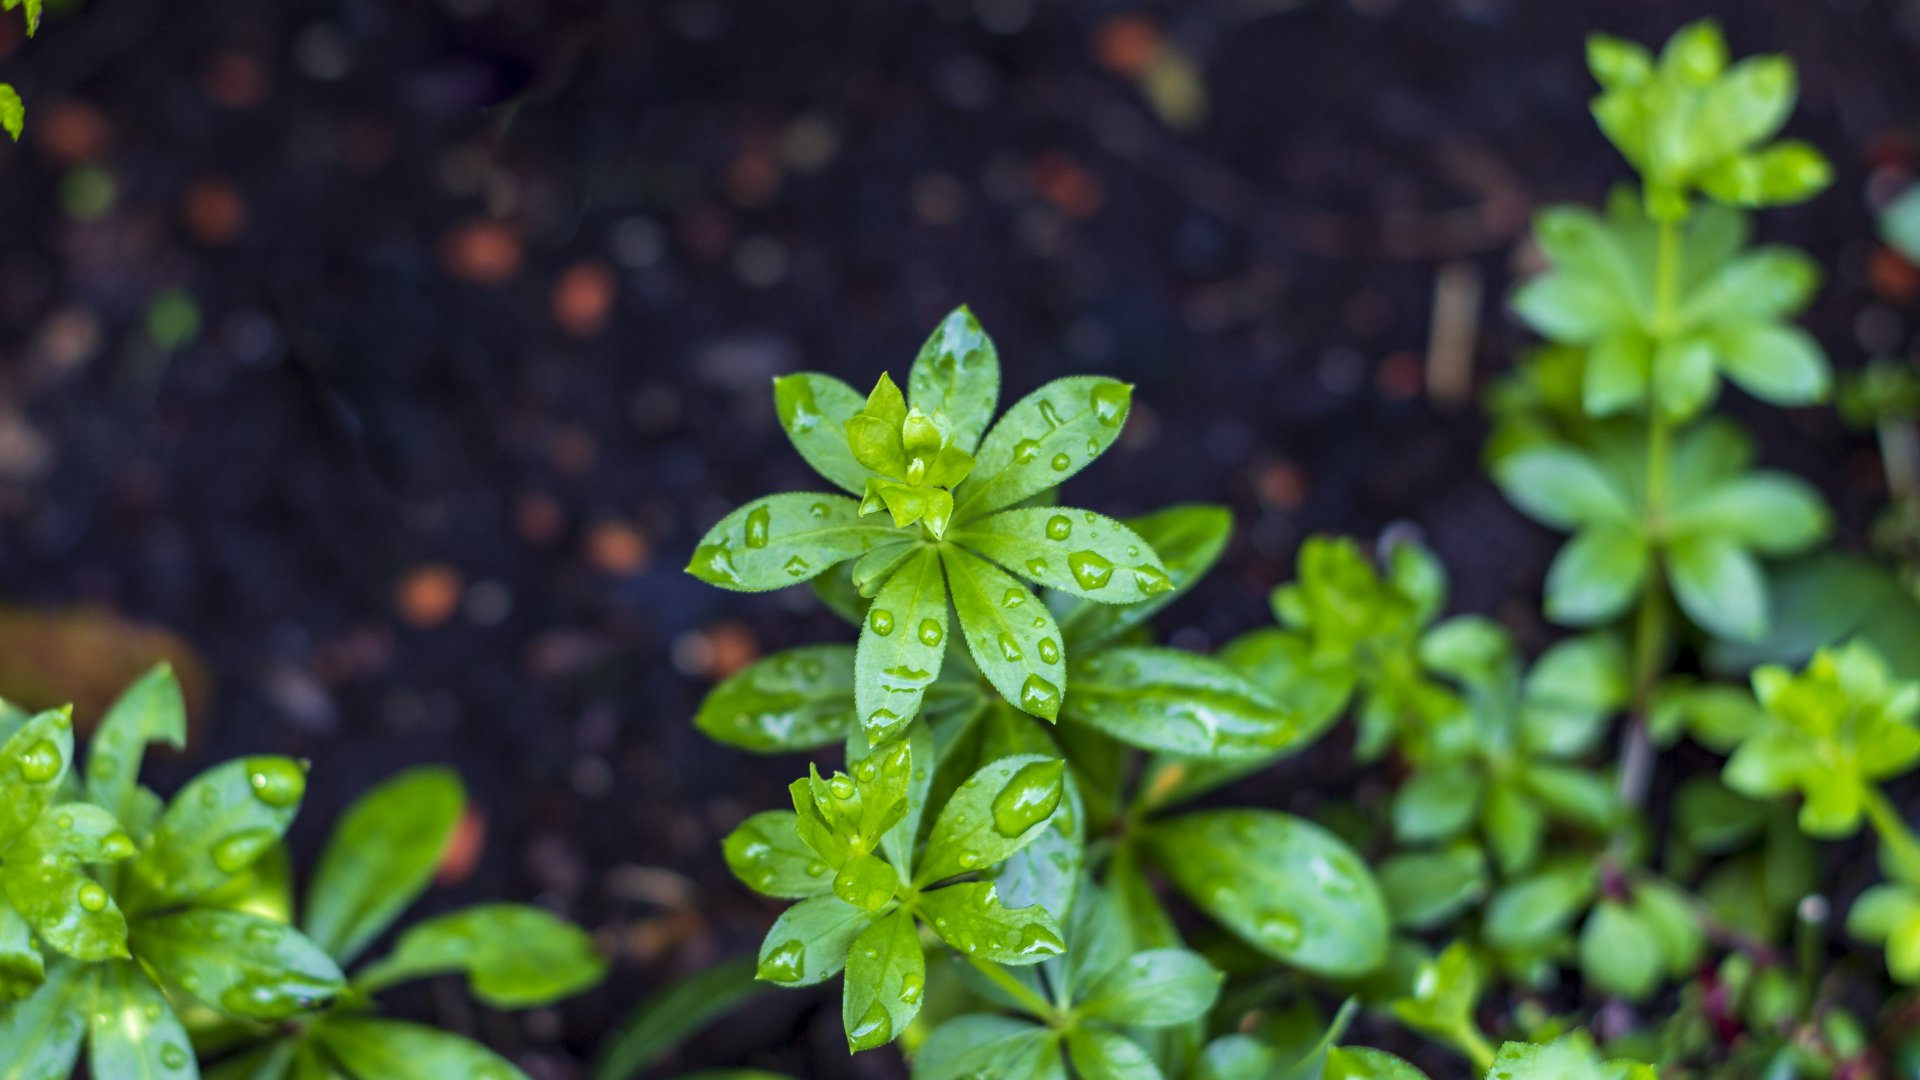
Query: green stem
[(1476, 1046), (1650, 626), (1902, 847), (1020, 991)]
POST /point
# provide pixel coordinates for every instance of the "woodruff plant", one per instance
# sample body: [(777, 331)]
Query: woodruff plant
[(159, 934), (994, 869)]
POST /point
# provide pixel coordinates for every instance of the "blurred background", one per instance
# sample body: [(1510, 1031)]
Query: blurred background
[(382, 361)]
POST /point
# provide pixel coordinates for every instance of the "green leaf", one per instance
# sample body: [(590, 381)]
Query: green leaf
[(1514, 826), (1435, 804), (149, 711), (22, 969), (1074, 551), (1155, 988), (767, 854), (866, 881), (1366, 1063), (809, 942), (1781, 365), (813, 410), (783, 540), (1165, 699), (903, 642), (1619, 952), (800, 699), (1108, 1055), (391, 1050), (1531, 912), (957, 374), (1010, 634), (1561, 488), (972, 1046), (1596, 575), (1757, 286), (1569, 1058), (1188, 539), (1684, 379), (133, 1033), (40, 1037), (669, 1018), (514, 956), (1570, 308), (33, 764), (1427, 888), (43, 879), (237, 963), (1785, 173), (998, 810), (381, 857), (1570, 691), (1044, 439), (886, 976), (970, 917), (1719, 586), (1618, 369), (13, 112), (1286, 885), (214, 829), (1773, 513)]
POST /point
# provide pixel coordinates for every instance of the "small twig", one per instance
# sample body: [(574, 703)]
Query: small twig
[(1457, 292)]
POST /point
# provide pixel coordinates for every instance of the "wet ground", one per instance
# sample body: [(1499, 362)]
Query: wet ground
[(394, 355)]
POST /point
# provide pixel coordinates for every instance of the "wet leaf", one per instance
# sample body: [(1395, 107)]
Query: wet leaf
[(957, 375), (215, 828), (1174, 701), (1285, 885), (903, 643), (1010, 634), (1043, 440), (238, 964), (391, 1050), (381, 857), (998, 810), (796, 700), (783, 540), (514, 956), (886, 978), (1074, 551)]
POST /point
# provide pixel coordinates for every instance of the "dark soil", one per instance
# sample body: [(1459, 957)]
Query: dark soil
[(490, 293)]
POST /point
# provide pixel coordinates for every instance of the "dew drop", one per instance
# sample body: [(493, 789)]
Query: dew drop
[(881, 621), (713, 563), (1040, 697), (797, 567), (783, 963), (1059, 527), (1049, 651), (1030, 797), (1050, 414), (92, 897), (1061, 463), (758, 522), (1090, 569), (40, 762), (1025, 451), (930, 632), (1280, 930), (1110, 400), (1010, 649), (1151, 580), (874, 1029), (1036, 567), (911, 987), (173, 1057), (1014, 597), (278, 782), (241, 850)]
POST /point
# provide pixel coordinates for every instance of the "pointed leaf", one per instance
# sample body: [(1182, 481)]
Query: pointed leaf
[(1287, 886), (33, 764), (814, 410), (1075, 551), (215, 828), (133, 1033), (1155, 988), (999, 810), (381, 857), (514, 956), (1099, 1054), (150, 711), (972, 1046), (47, 885), (800, 699), (957, 374), (1043, 440), (886, 976), (783, 540), (237, 963), (903, 642), (971, 917), (40, 1037), (1596, 575), (809, 942), (1188, 539), (767, 854), (1010, 633), (1719, 586), (1165, 699)]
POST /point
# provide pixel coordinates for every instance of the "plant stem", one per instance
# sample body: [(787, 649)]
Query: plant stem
[(1019, 991), (1475, 1045), (1650, 626), (1902, 848)]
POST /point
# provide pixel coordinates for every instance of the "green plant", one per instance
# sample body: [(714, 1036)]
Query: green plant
[(172, 921), (1508, 851), (13, 112)]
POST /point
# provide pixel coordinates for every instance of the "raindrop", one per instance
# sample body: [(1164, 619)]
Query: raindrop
[(278, 782), (1049, 651), (784, 963), (1025, 451), (93, 898), (1110, 401), (1059, 527), (881, 620), (1030, 797), (1040, 697), (1061, 463), (1010, 649), (931, 632), (758, 522), (40, 762), (1090, 569)]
